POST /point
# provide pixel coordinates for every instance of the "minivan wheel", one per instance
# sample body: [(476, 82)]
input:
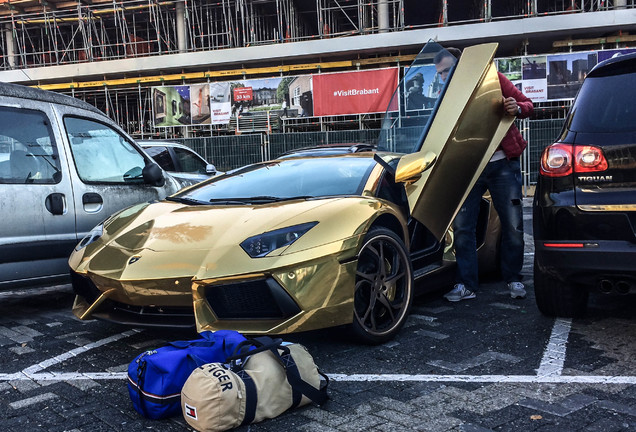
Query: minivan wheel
[(556, 298), (384, 287)]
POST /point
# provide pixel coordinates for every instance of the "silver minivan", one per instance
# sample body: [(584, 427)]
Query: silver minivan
[(64, 168)]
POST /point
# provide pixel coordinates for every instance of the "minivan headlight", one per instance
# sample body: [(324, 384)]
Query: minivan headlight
[(89, 238), (261, 245)]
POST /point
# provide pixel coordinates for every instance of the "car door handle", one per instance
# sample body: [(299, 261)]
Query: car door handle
[(55, 203), (92, 198), (93, 202)]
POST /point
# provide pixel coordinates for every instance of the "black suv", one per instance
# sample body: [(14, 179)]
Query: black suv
[(585, 203)]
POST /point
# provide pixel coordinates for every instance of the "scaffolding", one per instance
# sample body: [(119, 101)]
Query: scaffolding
[(36, 33), (54, 32)]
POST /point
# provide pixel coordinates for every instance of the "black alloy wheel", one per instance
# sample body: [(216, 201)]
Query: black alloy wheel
[(384, 287)]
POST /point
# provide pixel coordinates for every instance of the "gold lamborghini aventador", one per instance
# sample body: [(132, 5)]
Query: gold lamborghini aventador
[(309, 240)]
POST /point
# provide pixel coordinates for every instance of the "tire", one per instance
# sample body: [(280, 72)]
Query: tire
[(556, 298), (384, 287)]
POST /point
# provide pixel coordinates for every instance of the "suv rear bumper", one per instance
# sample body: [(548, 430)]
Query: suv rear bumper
[(608, 265)]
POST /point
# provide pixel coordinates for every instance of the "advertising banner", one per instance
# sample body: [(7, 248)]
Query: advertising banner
[(220, 104), (542, 78), (242, 94), (353, 92), (537, 90)]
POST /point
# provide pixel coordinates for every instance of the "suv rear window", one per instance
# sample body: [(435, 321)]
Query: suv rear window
[(605, 104)]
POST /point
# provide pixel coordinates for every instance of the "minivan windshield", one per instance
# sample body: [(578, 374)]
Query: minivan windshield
[(283, 180), (415, 101)]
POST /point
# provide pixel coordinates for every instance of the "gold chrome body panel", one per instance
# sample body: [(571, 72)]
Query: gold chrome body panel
[(463, 146), (175, 267), (170, 254)]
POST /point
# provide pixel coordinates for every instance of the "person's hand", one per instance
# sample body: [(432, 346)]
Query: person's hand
[(510, 106)]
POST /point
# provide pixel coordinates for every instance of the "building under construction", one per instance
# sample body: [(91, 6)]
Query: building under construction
[(112, 53)]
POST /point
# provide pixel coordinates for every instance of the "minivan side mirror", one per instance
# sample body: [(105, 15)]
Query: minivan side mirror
[(210, 169), (153, 175)]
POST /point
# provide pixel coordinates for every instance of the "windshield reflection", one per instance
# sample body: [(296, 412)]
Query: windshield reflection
[(414, 103)]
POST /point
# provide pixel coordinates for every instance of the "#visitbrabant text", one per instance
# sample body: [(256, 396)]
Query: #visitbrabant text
[(356, 92)]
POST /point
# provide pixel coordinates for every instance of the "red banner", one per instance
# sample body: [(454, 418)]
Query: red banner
[(242, 94), (354, 92)]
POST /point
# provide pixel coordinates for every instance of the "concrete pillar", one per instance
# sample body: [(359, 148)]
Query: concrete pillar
[(383, 15), (620, 4), (11, 46), (182, 40)]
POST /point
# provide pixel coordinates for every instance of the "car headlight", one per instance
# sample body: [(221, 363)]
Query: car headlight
[(89, 238), (262, 244)]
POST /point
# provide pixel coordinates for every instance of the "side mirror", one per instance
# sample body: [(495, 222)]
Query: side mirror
[(411, 166), (153, 175), (210, 169)]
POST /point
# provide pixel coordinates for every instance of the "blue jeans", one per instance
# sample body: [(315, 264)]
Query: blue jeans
[(503, 179)]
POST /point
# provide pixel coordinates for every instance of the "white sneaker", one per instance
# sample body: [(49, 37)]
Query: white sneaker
[(459, 292), (517, 290)]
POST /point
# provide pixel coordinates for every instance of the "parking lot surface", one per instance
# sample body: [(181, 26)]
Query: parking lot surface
[(491, 363)]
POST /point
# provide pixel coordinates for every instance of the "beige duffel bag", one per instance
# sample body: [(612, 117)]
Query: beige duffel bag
[(252, 386)]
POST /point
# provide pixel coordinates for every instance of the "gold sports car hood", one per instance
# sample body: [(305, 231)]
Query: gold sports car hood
[(170, 239)]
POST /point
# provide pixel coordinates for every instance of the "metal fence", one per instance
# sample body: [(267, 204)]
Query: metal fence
[(229, 152)]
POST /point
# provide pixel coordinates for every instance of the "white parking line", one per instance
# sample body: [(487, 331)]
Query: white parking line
[(550, 368), (62, 357), (554, 354), (35, 372), (561, 379), (554, 379)]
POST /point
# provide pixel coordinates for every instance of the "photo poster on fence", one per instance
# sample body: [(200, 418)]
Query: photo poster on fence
[(552, 77), (566, 73), (171, 106), (220, 102), (254, 97), (200, 104), (542, 78)]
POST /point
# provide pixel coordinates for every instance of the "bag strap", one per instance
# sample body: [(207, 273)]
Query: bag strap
[(192, 343), (263, 343), (299, 386), (251, 397), (317, 396)]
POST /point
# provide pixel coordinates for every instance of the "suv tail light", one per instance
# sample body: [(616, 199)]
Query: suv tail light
[(560, 160)]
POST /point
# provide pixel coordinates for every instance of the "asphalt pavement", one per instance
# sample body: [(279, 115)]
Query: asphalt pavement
[(488, 364)]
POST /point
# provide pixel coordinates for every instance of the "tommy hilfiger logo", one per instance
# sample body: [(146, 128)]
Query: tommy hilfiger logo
[(190, 411)]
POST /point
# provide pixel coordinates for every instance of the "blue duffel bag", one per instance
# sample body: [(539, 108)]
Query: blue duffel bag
[(156, 377)]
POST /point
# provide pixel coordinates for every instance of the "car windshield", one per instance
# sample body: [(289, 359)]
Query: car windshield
[(416, 99), (284, 180)]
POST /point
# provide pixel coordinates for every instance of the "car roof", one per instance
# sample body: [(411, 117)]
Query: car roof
[(24, 92), (158, 143), (622, 63)]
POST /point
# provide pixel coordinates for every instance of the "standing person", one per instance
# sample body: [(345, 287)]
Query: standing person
[(502, 177)]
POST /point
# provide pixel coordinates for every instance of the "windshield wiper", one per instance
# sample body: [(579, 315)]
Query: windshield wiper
[(188, 201), (259, 199)]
